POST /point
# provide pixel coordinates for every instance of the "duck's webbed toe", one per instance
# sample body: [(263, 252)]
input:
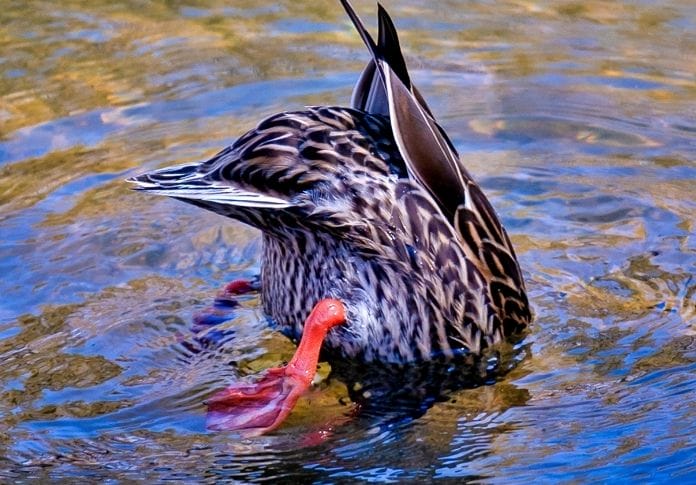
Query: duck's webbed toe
[(254, 408)]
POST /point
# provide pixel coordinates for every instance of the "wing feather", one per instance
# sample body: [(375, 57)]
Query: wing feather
[(385, 83)]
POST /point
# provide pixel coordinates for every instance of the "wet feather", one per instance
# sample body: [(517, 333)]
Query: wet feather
[(371, 205)]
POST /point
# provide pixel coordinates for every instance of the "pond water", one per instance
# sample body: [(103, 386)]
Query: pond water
[(579, 120)]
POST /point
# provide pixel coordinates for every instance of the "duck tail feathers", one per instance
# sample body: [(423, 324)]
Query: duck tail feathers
[(187, 183)]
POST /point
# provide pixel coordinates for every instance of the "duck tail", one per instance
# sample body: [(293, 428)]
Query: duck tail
[(189, 183)]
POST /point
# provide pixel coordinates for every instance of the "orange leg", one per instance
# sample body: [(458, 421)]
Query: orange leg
[(240, 287), (224, 303), (258, 407)]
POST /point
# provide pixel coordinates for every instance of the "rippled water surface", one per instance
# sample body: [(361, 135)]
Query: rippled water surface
[(578, 118)]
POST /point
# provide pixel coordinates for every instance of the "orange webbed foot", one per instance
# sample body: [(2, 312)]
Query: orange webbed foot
[(255, 408)]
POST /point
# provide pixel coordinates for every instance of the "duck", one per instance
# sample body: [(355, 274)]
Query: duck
[(378, 246)]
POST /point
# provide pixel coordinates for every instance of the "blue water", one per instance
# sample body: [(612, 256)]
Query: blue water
[(579, 120)]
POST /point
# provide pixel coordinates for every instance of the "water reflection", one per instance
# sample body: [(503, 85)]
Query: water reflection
[(577, 120)]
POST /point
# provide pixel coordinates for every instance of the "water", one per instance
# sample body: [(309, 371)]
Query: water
[(579, 119)]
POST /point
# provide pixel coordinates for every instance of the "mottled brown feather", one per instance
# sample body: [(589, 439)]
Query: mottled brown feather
[(373, 209)]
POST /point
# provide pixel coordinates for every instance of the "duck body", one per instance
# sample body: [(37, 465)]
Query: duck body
[(368, 205)]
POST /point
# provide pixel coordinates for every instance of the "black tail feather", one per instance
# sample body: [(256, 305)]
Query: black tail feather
[(388, 47)]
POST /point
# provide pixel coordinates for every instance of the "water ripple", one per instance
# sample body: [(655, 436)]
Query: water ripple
[(574, 118)]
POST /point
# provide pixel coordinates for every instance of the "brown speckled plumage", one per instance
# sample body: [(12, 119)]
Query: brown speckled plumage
[(369, 205)]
